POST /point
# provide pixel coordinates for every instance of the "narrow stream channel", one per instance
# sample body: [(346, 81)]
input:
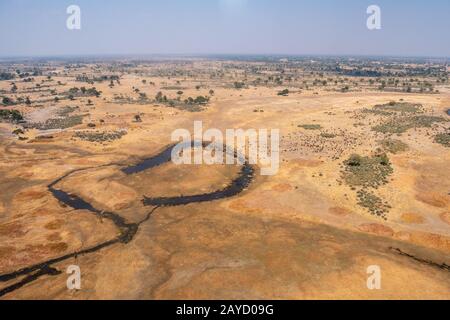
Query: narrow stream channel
[(127, 230)]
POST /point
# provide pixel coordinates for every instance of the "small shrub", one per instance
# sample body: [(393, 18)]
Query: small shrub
[(7, 101), (394, 146), (18, 131), (327, 135), (11, 115), (239, 85), (443, 138), (310, 126)]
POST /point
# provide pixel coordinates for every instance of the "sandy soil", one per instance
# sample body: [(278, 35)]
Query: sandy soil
[(299, 234)]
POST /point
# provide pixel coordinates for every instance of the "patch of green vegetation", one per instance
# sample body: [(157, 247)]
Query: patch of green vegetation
[(7, 76), (373, 203), (239, 85), (11, 115), (179, 88), (200, 100), (393, 108), (377, 112), (310, 126), (59, 123), (403, 124), (367, 171), (406, 107), (18, 131), (83, 92), (284, 92), (65, 111), (7, 101), (345, 89), (394, 146), (189, 104), (327, 135), (100, 136), (443, 138)]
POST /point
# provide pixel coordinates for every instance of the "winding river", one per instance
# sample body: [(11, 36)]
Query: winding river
[(127, 229)]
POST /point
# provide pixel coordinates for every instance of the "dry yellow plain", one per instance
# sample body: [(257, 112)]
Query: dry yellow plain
[(296, 235)]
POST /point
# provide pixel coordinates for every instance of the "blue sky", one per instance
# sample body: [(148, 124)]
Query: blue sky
[(329, 27)]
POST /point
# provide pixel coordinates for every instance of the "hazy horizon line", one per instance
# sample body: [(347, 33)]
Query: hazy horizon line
[(203, 55)]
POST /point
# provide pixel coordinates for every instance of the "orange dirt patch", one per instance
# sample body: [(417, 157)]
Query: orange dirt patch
[(12, 229), (377, 229), (50, 248), (25, 175), (43, 212), (445, 216), (54, 237), (412, 218), (433, 240), (121, 206), (339, 211), (282, 187), (5, 252), (31, 195), (241, 206), (10, 257), (54, 225), (433, 199)]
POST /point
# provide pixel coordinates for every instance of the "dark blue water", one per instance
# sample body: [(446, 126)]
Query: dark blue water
[(149, 163), (236, 186), (240, 183)]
